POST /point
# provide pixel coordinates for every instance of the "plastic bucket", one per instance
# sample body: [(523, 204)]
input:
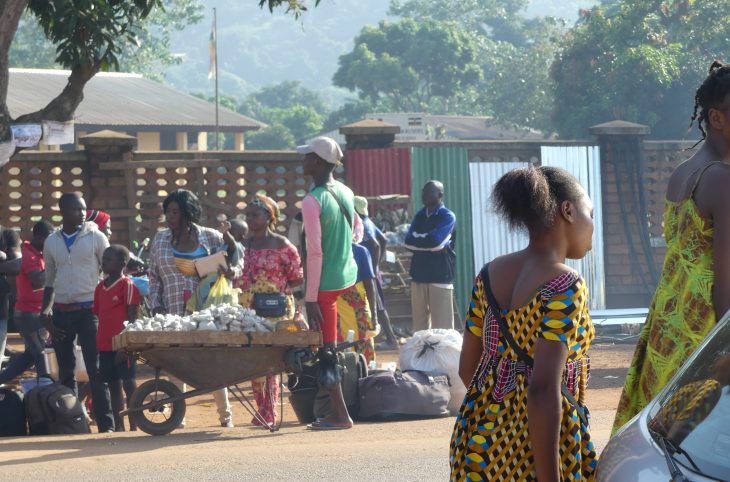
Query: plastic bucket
[(28, 384)]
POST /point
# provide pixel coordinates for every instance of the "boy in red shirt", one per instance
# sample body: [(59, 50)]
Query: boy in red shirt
[(116, 300)]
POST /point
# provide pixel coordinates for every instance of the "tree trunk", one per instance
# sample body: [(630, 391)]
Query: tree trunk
[(10, 12)]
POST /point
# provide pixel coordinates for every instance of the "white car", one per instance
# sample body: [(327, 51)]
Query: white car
[(684, 432)]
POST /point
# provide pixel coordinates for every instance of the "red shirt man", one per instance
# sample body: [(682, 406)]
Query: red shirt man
[(29, 300)]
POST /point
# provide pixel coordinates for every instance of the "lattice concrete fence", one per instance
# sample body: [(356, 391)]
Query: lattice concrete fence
[(131, 185)]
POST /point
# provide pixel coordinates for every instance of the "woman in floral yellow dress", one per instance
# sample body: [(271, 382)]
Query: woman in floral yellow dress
[(694, 288), (526, 367), (271, 265)]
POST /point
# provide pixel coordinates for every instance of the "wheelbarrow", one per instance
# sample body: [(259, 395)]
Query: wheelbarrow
[(208, 361)]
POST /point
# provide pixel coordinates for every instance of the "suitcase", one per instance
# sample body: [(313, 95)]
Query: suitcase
[(12, 413), (54, 410), (403, 394)]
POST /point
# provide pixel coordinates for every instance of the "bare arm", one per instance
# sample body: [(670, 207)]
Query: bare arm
[(132, 311), (383, 243), (544, 406), (721, 244), (471, 353), (10, 267), (37, 279), (372, 292), (295, 283), (374, 249)]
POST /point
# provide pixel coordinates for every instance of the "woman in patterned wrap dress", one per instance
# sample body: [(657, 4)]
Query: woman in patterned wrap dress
[(515, 424)]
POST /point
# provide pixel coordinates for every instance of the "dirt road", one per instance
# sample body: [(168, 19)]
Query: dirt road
[(404, 451)]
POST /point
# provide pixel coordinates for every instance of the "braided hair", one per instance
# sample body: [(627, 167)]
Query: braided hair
[(711, 94)]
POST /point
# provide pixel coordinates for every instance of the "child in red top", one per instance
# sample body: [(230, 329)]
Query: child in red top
[(116, 300)]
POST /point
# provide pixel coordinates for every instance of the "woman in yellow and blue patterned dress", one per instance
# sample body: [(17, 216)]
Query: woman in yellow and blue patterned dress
[(515, 424)]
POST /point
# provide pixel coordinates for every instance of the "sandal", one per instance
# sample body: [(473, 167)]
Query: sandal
[(324, 425)]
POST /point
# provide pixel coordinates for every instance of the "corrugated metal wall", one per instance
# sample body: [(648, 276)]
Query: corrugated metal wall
[(450, 165), (492, 235), (375, 172), (585, 164)]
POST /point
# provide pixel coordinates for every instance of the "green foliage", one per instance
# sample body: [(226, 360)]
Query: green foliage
[(409, 66), (638, 60), (297, 7), (348, 113), (302, 121), (224, 101), (286, 105), (281, 96), (148, 51), (275, 136), (496, 19), (90, 34), (509, 59), (30, 48)]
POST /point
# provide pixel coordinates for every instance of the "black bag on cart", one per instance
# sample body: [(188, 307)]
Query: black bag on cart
[(409, 394), (12, 413), (54, 410)]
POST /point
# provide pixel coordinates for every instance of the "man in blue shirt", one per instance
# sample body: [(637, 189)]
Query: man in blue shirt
[(431, 238)]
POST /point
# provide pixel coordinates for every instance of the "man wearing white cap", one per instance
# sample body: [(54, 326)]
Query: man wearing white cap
[(329, 220)]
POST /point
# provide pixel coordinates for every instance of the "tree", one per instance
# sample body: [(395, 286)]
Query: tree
[(349, 112), (513, 52), (640, 61), (496, 19), (292, 112), (281, 96), (409, 66), (149, 55), (275, 136), (89, 35)]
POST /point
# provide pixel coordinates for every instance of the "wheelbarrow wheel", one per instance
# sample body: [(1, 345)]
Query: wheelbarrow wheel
[(162, 419)]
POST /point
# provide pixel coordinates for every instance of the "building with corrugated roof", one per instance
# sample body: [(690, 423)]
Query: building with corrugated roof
[(161, 117), (415, 126)]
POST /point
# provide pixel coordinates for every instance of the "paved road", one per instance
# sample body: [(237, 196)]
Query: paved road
[(403, 451)]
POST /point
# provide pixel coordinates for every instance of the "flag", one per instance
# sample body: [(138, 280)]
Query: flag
[(212, 45)]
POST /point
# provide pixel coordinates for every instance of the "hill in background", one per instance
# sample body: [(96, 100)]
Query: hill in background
[(257, 48)]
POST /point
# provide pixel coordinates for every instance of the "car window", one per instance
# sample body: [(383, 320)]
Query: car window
[(694, 414)]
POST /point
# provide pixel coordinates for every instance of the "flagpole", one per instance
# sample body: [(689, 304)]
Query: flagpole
[(215, 40)]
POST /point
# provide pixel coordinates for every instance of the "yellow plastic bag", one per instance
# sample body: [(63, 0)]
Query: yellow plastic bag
[(222, 292)]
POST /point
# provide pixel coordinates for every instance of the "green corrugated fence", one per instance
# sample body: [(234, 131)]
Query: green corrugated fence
[(450, 165)]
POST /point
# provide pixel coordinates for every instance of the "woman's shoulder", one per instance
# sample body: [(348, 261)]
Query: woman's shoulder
[(282, 242), (209, 233), (564, 280), (161, 235)]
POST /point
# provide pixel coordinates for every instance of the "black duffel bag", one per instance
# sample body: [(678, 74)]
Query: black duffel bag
[(408, 394)]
